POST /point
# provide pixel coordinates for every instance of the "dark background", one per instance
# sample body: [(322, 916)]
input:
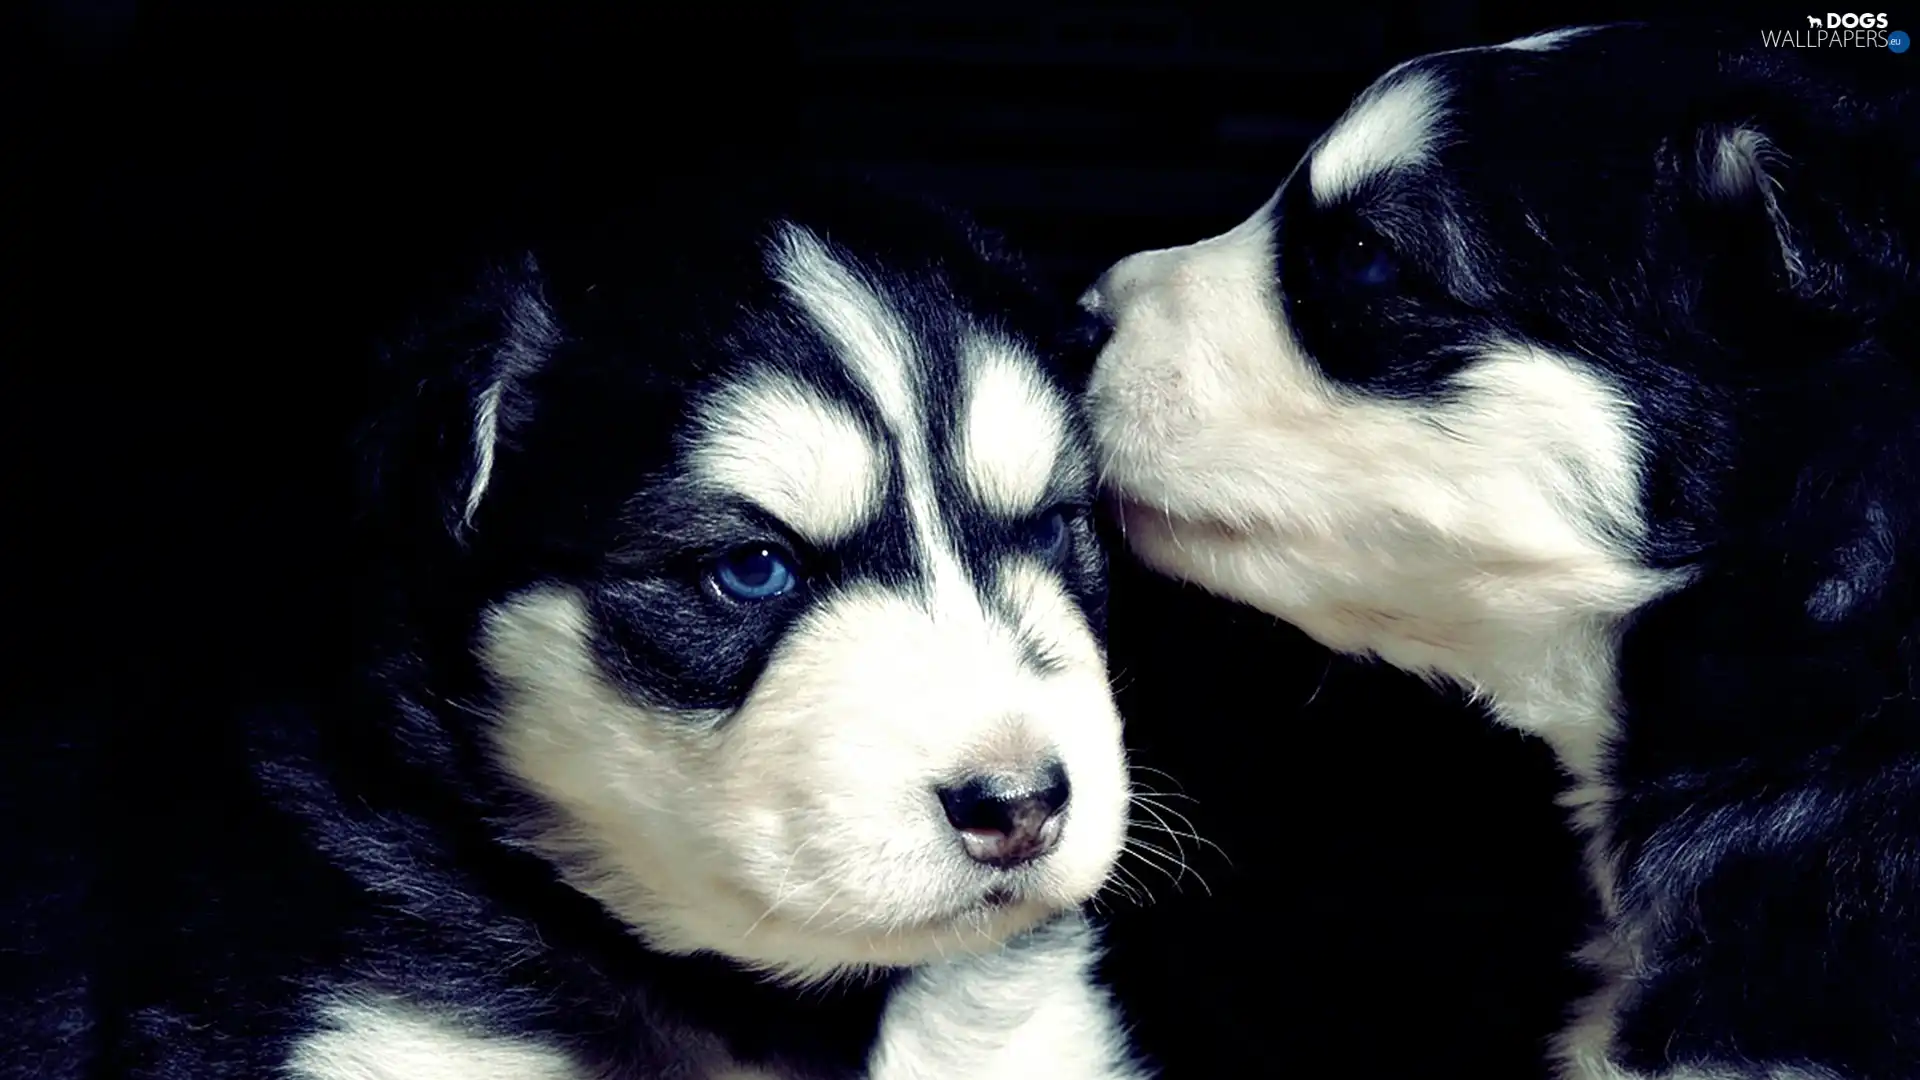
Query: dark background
[(1396, 894)]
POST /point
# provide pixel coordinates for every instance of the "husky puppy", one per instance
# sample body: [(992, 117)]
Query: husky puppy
[(729, 695), (1583, 372)]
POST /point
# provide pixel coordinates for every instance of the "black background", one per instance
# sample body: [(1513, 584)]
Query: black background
[(1396, 893)]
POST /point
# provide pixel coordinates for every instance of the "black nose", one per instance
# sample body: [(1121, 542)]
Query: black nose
[(1007, 820)]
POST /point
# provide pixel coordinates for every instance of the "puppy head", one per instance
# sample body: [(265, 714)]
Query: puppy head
[(786, 600), (1476, 371)]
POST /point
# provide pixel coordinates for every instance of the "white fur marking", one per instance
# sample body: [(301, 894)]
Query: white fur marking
[(1013, 431), (800, 457), (881, 355), (1395, 125), (1048, 613), (1397, 121), (367, 1039), (870, 340), (486, 432), (1743, 163), (1029, 1013), (530, 333)]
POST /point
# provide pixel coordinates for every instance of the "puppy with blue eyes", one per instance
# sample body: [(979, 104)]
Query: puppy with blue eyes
[(733, 702), (1583, 373)]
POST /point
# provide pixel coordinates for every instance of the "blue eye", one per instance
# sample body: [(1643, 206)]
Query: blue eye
[(755, 572), (1052, 534), (1366, 261)]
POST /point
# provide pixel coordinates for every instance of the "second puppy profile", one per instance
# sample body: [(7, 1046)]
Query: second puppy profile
[(1583, 372)]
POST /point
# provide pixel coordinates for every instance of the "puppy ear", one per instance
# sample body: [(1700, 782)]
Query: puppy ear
[(447, 402), (1741, 175)]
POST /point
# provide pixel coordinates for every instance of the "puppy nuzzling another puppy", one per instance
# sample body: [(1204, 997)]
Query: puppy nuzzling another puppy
[(1583, 372)]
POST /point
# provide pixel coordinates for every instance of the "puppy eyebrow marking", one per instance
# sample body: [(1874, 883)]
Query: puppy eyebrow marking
[(881, 356), (1011, 431), (1393, 126), (800, 457)]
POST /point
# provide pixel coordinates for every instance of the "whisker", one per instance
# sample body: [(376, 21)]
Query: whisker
[(1125, 889), (1145, 893), (831, 897), (1174, 780), (1176, 836), (780, 890), (1159, 858), (1152, 794), (1322, 684), (1144, 850), (1191, 832)]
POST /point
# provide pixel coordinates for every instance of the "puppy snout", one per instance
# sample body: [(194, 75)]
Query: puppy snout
[(1006, 820), (1126, 281)]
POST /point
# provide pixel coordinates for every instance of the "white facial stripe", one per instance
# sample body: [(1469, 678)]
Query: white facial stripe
[(1391, 127), (1012, 430), (872, 344), (881, 356), (800, 457)]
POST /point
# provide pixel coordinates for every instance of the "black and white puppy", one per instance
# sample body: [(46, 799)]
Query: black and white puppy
[(1584, 372), (736, 703)]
